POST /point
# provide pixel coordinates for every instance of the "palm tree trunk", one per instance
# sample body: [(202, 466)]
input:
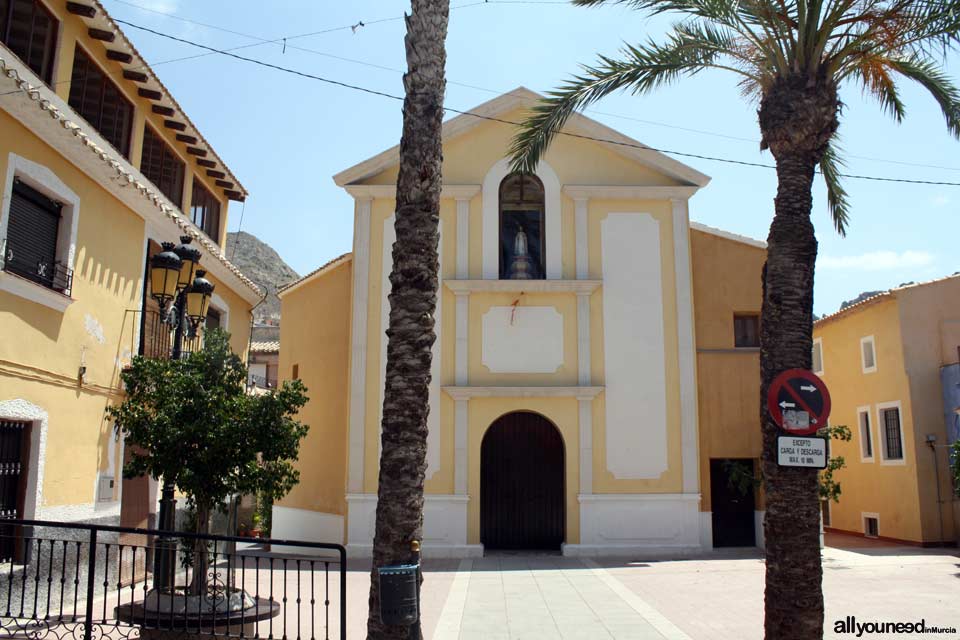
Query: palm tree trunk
[(413, 300), (798, 117), (793, 597)]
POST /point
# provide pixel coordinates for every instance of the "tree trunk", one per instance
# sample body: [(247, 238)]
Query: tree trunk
[(413, 300), (201, 560), (797, 117)]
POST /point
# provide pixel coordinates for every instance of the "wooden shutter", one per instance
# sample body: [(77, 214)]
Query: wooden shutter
[(95, 97), (746, 330), (159, 163), (31, 250), (30, 31)]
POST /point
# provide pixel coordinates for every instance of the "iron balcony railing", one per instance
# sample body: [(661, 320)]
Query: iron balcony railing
[(54, 276), (80, 581)]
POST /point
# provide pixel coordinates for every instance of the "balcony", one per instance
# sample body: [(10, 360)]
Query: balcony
[(54, 276)]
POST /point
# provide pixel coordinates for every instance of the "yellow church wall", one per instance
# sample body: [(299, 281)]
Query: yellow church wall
[(381, 210), (726, 280), (562, 412), (887, 489), (480, 305), (468, 157), (315, 337), (670, 481)]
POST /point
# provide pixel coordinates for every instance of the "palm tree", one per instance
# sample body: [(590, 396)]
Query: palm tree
[(413, 300), (792, 56)]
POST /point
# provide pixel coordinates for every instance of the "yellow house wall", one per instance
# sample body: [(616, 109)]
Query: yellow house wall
[(99, 329), (930, 323), (890, 490), (315, 336), (40, 360), (726, 280)]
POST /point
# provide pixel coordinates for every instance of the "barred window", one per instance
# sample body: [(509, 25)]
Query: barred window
[(162, 166), (30, 31), (892, 437), (95, 97)]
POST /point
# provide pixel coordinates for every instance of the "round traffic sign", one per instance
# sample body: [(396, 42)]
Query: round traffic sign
[(799, 402)]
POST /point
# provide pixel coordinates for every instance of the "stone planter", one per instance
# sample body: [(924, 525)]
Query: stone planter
[(162, 616)]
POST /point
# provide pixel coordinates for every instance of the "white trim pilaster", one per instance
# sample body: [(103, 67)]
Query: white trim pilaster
[(689, 445), (460, 445), (580, 234), (463, 238), (583, 339), (358, 332), (585, 405), (462, 339)]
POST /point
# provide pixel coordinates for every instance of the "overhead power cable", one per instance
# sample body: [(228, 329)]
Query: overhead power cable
[(384, 94), (285, 42)]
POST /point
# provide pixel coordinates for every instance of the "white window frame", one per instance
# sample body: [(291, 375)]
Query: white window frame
[(865, 411), (817, 345), (46, 182), (882, 430), (873, 349), (863, 523)]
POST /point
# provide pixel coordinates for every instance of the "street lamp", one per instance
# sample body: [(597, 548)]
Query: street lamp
[(174, 276)]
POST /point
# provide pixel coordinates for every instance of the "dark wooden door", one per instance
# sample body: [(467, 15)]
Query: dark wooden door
[(732, 505), (522, 484), (14, 452)]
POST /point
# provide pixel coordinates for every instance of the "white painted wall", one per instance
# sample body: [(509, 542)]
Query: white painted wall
[(522, 339), (636, 409)]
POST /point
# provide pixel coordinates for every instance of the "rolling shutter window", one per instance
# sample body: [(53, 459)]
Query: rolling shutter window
[(30, 31), (162, 166), (31, 250), (100, 102), (205, 211)]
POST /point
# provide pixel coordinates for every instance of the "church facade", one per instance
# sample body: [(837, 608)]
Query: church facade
[(595, 374)]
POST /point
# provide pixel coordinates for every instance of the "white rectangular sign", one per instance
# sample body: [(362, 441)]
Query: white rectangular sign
[(800, 451)]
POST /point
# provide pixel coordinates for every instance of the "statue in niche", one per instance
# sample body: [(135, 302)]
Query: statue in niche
[(522, 267)]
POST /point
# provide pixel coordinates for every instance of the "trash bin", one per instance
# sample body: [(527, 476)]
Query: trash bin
[(398, 594)]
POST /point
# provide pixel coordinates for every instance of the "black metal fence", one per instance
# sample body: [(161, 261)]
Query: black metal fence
[(88, 582)]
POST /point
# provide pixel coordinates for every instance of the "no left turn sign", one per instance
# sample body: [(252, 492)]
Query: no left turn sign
[(799, 402)]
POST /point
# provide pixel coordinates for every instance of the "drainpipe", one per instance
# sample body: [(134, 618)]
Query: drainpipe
[(932, 443)]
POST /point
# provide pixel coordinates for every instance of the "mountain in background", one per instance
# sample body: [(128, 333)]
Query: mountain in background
[(259, 262), (860, 298)]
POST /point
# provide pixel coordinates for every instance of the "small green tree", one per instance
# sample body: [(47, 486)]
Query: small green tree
[(192, 422)]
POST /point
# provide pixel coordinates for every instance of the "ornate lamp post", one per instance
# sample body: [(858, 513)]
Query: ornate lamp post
[(174, 277)]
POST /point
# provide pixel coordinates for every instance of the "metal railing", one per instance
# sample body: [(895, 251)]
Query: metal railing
[(89, 582), (54, 276)]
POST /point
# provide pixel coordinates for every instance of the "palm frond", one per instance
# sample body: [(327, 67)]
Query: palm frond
[(873, 72), (690, 49), (837, 202), (936, 81)]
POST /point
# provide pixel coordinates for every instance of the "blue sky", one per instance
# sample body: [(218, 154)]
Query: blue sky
[(284, 136)]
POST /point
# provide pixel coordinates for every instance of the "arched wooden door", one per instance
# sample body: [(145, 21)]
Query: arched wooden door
[(522, 484)]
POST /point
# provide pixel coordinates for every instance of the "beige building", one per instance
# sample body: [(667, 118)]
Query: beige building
[(891, 365)]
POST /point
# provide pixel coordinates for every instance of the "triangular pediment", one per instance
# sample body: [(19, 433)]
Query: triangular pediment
[(586, 129)]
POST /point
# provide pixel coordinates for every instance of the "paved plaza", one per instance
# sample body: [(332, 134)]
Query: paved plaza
[(714, 597)]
